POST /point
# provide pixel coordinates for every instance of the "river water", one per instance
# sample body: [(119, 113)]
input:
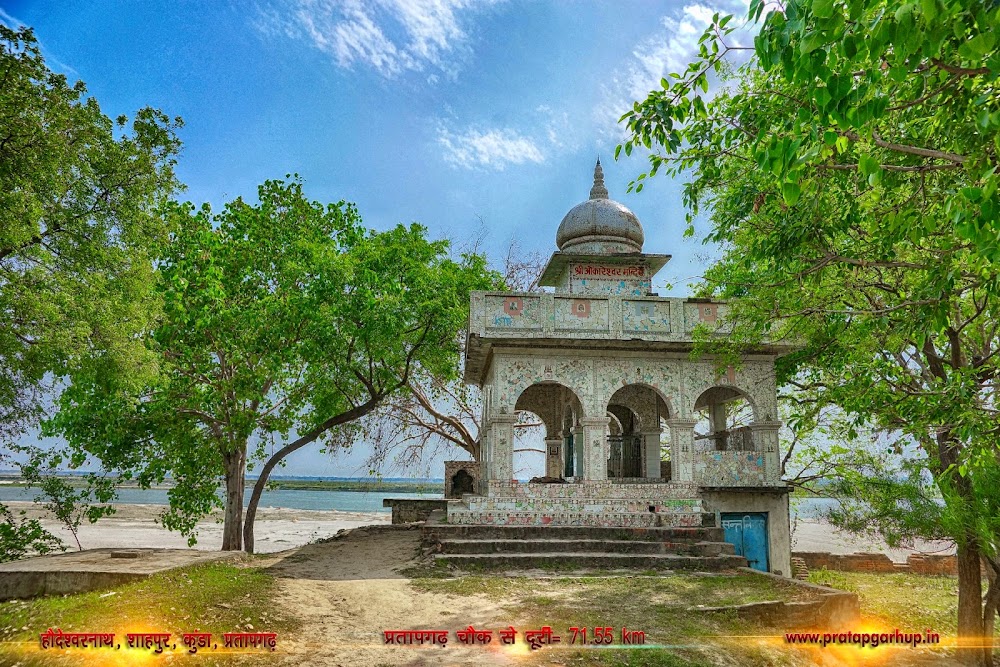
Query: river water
[(345, 501)]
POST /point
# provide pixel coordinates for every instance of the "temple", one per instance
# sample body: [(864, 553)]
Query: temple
[(638, 432)]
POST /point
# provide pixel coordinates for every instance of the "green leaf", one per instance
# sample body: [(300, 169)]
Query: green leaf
[(978, 46), (822, 8), (868, 165), (811, 42), (790, 192), (822, 97), (973, 194)]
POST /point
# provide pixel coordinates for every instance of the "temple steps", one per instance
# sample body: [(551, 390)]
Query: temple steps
[(591, 561), (578, 547), (436, 529), (689, 548)]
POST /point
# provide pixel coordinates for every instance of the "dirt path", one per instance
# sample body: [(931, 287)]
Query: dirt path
[(349, 590)]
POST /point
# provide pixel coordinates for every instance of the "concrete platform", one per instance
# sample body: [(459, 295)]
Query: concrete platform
[(93, 569)]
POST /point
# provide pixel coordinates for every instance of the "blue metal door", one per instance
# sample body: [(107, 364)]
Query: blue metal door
[(747, 531)]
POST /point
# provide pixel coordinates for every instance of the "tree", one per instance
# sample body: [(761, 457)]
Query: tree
[(79, 195), (850, 172), (21, 536), (78, 226), (284, 323), (440, 410), (68, 501)]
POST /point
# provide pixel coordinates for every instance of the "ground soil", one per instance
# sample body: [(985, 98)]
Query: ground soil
[(347, 591)]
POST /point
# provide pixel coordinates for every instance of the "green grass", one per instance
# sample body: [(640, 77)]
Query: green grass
[(907, 601), (216, 598), (659, 606)]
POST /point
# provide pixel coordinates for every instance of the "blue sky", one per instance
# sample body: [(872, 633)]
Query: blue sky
[(444, 112)]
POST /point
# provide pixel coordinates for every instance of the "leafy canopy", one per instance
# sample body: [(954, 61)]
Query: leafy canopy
[(78, 228), (849, 169), (281, 320)]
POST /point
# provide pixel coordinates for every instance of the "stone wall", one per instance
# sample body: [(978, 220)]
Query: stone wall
[(930, 564), (410, 510), (828, 607)]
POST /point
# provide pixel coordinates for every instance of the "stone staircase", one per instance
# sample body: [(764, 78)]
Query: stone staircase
[(514, 547)]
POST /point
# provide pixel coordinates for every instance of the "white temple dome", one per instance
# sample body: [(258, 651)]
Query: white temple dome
[(599, 226)]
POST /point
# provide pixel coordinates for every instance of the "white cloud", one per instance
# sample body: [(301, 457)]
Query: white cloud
[(493, 148), (390, 36), (670, 49), (54, 63)]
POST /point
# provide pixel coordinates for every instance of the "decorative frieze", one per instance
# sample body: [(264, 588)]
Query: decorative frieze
[(731, 469)]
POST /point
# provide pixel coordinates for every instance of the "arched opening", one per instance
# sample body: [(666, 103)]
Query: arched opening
[(624, 443), (637, 448), (545, 449), (461, 482), (529, 445), (724, 416)]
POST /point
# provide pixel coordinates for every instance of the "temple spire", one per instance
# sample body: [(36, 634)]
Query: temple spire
[(598, 191)]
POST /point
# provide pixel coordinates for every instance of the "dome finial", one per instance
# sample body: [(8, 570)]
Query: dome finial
[(598, 191)]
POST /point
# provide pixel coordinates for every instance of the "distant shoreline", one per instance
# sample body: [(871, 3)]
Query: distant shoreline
[(288, 484)]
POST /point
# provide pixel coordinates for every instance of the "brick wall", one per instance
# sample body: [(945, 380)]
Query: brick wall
[(933, 564), (927, 564)]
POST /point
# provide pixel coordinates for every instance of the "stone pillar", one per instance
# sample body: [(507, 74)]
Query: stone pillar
[(682, 449), (717, 424), (651, 453), (553, 457), (502, 447), (485, 460), (579, 452), (595, 448), (765, 439)]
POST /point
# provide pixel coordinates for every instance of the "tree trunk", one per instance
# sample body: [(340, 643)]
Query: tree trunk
[(354, 413), (234, 464), (970, 604), (991, 607), (258, 489), (970, 580)]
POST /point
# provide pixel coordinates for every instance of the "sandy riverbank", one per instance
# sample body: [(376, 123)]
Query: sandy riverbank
[(276, 529), (818, 535), (281, 528)]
